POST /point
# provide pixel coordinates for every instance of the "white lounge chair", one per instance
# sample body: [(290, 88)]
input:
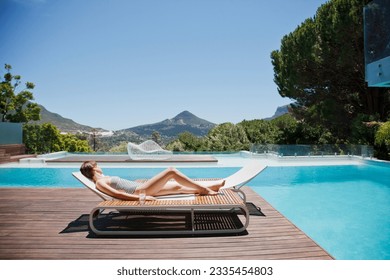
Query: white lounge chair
[(244, 175), (147, 150), (91, 185), (236, 180)]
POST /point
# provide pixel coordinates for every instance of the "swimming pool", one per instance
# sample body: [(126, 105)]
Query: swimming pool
[(62, 177), (344, 208)]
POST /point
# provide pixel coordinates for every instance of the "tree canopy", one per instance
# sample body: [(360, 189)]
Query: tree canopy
[(17, 106), (320, 65), (46, 138)]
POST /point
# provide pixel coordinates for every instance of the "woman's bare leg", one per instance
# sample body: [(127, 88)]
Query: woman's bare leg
[(173, 187), (182, 179), (214, 185), (157, 183)]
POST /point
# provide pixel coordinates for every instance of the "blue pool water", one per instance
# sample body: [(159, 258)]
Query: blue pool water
[(345, 209), (62, 177)]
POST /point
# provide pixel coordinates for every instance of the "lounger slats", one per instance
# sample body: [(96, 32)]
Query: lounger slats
[(225, 197)]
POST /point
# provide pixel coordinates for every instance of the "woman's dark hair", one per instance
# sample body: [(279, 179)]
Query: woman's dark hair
[(87, 168)]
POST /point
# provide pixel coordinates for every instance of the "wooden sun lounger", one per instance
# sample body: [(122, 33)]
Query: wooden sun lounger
[(227, 200)]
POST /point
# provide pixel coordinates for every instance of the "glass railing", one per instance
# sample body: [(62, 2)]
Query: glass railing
[(313, 150)]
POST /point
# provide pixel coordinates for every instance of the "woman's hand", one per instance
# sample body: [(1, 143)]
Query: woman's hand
[(149, 198)]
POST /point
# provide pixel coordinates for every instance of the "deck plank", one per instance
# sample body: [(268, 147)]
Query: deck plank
[(35, 222)]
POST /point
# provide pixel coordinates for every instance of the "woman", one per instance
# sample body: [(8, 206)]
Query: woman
[(161, 184)]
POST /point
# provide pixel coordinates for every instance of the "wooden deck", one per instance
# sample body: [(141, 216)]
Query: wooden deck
[(52, 224)]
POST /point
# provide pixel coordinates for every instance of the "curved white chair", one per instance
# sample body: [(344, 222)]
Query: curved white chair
[(147, 150)]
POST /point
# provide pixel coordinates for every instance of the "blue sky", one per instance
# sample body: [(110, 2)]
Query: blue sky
[(116, 64)]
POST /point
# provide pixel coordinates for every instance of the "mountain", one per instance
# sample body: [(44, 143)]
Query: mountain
[(168, 129), (185, 121), (63, 124), (280, 111)]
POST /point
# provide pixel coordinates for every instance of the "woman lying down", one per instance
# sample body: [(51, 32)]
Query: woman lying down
[(168, 182)]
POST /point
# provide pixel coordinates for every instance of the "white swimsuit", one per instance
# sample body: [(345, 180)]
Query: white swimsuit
[(124, 185)]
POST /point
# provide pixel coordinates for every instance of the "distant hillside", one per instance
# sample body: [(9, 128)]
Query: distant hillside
[(63, 124), (185, 121), (280, 111), (168, 129)]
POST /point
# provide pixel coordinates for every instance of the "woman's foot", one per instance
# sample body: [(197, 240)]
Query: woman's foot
[(211, 192), (207, 191), (217, 185)]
